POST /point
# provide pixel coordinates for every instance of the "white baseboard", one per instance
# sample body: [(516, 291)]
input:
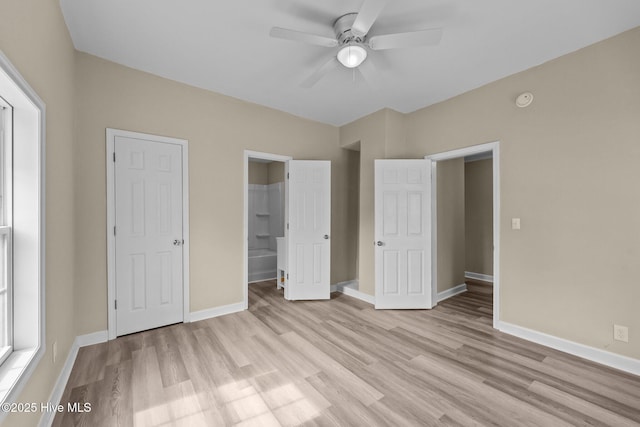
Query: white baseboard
[(350, 288), (478, 276), (262, 280), (58, 389), (607, 358), (216, 311), (451, 292), (339, 287), (91, 339)]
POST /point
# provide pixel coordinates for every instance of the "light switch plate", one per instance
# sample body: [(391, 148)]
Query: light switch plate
[(515, 223)]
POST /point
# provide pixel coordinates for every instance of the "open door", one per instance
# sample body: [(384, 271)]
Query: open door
[(403, 234), (308, 229)]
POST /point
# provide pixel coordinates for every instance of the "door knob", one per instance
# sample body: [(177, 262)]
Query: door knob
[(326, 237), (379, 243), (177, 242)]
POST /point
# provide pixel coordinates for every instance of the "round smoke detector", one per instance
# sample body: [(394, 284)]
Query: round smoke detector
[(524, 99)]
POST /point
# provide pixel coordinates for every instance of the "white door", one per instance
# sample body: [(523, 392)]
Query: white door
[(403, 234), (309, 225), (148, 234)]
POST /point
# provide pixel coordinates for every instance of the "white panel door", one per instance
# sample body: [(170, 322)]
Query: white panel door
[(148, 240), (308, 236), (403, 234)]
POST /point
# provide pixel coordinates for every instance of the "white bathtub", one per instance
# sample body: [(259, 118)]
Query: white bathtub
[(262, 264)]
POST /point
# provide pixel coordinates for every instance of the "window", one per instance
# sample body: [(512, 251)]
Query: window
[(6, 249), (22, 275)]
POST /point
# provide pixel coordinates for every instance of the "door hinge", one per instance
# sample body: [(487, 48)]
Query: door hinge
[(114, 230), (287, 276), (287, 175), (287, 226), (115, 303), (114, 156)]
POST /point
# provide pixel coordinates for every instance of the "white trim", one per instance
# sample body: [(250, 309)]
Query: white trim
[(339, 287), (21, 94), (451, 292), (462, 152), (63, 378), (263, 280), (245, 233), (593, 354), (111, 247), (216, 311), (493, 147), (91, 339), (478, 157), (58, 389), (496, 233), (350, 288), (478, 276), (434, 234)]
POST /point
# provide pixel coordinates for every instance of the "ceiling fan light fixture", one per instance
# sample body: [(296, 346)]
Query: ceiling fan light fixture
[(352, 55)]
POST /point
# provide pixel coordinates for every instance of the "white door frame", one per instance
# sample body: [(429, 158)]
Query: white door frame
[(245, 234), (494, 149), (111, 219)]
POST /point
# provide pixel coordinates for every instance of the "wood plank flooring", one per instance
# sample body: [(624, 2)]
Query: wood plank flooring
[(342, 363)]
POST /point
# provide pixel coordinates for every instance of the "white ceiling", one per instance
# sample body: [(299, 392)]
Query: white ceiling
[(224, 46)]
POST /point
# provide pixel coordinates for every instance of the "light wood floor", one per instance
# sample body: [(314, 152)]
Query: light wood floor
[(340, 362)]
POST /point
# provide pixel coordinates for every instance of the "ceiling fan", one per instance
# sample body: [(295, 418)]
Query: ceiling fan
[(353, 40)]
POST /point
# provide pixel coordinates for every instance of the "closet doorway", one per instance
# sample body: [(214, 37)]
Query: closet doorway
[(483, 151)]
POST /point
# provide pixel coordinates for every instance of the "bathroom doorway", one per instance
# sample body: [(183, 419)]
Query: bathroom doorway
[(264, 215)]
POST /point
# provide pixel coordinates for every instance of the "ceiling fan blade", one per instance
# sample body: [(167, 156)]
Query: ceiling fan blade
[(314, 78), (370, 73), (413, 39), (299, 36), (367, 16)]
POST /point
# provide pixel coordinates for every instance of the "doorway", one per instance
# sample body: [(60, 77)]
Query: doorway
[(258, 221), (265, 217), (147, 231), (489, 150), (307, 233), (478, 223)]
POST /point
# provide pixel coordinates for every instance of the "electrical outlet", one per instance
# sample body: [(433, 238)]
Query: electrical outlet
[(54, 350), (515, 223), (620, 333)]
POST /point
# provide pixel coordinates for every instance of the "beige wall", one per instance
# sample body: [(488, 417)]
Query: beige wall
[(114, 96), (370, 132), (275, 172), (451, 226), (34, 37), (266, 173), (478, 207), (569, 171), (258, 173)]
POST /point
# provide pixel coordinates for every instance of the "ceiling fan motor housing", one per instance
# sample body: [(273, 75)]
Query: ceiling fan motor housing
[(342, 27)]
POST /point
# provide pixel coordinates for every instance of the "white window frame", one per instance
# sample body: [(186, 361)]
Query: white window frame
[(27, 234), (5, 230)]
